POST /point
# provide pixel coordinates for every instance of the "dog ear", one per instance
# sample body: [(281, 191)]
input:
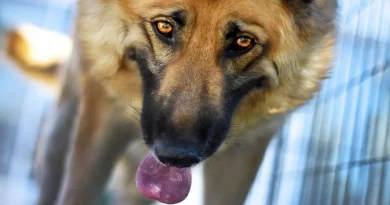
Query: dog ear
[(299, 6), (297, 1), (307, 5), (312, 13)]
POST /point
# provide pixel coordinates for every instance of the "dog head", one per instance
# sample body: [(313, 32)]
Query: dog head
[(206, 63)]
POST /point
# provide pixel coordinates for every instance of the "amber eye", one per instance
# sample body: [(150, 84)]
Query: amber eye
[(164, 27), (244, 42), (240, 45)]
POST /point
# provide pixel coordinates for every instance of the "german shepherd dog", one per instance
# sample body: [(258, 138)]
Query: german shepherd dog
[(192, 80)]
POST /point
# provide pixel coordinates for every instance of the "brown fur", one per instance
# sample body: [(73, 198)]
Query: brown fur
[(297, 43)]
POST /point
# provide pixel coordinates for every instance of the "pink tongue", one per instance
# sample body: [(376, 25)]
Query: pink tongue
[(166, 184)]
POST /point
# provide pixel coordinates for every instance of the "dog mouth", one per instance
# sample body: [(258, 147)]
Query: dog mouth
[(161, 182), (164, 174)]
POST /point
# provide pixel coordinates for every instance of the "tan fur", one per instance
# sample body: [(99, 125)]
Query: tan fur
[(108, 86)]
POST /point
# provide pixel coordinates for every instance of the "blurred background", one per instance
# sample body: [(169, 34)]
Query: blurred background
[(335, 150)]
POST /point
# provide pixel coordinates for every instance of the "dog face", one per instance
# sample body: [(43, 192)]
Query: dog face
[(205, 64)]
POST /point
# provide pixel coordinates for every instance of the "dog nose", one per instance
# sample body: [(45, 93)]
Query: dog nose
[(177, 154)]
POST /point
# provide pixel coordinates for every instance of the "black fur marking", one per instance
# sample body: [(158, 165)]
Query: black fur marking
[(179, 17), (149, 106), (233, 30)]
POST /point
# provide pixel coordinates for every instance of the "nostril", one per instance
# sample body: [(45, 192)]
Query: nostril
[(179, 161), (178, 156)]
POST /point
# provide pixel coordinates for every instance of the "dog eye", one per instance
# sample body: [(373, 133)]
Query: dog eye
[(239, 46), (243, 43), (164, 28)]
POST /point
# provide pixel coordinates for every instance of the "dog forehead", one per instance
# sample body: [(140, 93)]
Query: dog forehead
[(246, 9)]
